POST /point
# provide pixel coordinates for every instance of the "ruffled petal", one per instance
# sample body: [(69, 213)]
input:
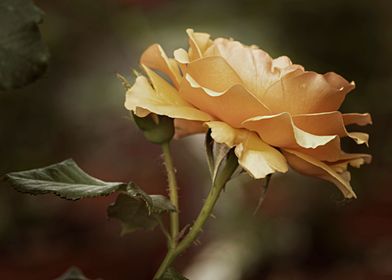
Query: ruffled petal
[(312, 167), (329, 152), (214, 74), (358, 119), (156, 58), (280, 131), (181, 56), (164, 100), (256, 157), (354, 160), (211, 85), (307, 93), (198, 43), (329, 123), (185, 127), (256, 68)]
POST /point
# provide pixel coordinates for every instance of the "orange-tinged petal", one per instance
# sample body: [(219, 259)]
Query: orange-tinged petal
[(355, 118), (186, 127), (256, 157), (211, 85), (213, 73), (329, 152), (310, 166), (354, 160), (328, 123), (307, 93), (279, 130), (167, 102), (198, 43), (156, 58), (256, 68), (232, 106)]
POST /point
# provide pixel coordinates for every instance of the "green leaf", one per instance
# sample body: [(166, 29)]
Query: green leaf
[(64, 179), (73, 273), (23, 55), (171, 274), (137, 210)]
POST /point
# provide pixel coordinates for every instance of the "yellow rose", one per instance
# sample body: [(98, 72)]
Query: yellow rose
[(273, 112)]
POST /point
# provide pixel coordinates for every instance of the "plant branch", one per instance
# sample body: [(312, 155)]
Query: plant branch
[(217, 186), (173, 193)]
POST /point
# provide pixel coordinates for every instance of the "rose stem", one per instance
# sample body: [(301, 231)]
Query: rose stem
[(173, 194), (201, 219)]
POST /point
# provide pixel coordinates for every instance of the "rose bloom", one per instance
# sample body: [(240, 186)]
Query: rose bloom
[(272, 111)]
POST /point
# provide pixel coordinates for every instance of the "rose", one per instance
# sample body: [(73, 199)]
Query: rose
[(273, 112)]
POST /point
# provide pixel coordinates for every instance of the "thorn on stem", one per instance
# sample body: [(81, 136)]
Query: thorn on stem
[(197, 242)]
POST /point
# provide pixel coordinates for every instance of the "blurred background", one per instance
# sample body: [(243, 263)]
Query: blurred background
[(304, 229)]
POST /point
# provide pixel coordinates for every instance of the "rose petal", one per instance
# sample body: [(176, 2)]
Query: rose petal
[(354, 160), (252, 65), (279, 130), (211, 85), (186, 127), (181, 56), (213, 73), (307, 93), (156, 58), (256, 68), (329, 152), (228, 106), (164, 100), (256, 157), (312, 167), (355, 118), (328, 123), (198, 43)]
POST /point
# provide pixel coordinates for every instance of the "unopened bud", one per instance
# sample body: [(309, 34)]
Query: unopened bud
[(157, 129)]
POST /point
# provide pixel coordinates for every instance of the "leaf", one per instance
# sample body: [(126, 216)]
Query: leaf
[(171, 274), (137, 210), (133, 207), (73, 273), (64, 179), (23, 55)]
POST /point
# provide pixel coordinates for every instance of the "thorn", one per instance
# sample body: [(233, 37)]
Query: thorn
[(262, 194), (182, 232), (213, 216), (197, 242)]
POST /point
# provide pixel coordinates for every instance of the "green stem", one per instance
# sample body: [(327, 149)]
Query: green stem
[(194, 231), (173, 193), (231, 164)]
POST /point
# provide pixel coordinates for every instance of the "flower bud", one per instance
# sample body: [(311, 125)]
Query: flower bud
[(156, 129)]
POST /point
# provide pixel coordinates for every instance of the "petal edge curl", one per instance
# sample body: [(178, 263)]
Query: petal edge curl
[(142, 95), (256, 157), (279, 130), (308, 165), (156, 58)]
